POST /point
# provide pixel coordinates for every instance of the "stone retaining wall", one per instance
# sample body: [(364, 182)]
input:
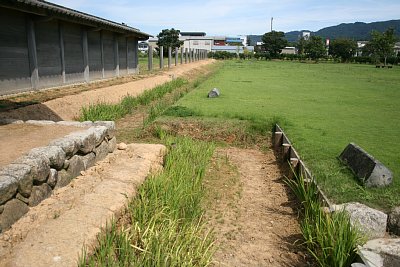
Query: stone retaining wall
[(31, 178)]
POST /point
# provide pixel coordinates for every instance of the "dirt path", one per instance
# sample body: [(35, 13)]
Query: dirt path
[(68, 107), (253, 213)]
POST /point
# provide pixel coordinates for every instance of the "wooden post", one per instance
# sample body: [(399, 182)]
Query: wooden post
[(169, 57), (62, 50), (186, 55), (161, 57), (116, 56), (176, 56), (103, 75), (85, 56), (277, 140), (150, 58), (33, 62), (181, 55)]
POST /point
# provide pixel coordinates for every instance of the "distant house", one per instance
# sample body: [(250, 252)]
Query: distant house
[(196, 40), (44, 45), (289, 50), (143, 47)]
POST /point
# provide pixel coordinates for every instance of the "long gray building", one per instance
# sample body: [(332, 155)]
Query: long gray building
[(44, 45)]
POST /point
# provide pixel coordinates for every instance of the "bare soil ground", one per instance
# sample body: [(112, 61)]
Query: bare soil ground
[(17, 139), (252, 212)]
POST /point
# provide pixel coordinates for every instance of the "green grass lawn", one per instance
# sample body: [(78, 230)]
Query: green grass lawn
[(322, 107)]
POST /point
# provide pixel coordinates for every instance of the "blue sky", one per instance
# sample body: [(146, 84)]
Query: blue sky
[(233, 17)]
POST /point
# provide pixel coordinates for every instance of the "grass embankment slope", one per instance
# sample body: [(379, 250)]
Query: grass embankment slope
[(322, 107)]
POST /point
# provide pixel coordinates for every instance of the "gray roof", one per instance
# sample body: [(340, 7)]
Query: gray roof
[(46, 9)]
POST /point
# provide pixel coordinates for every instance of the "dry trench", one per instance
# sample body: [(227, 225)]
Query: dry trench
[(255, 220)]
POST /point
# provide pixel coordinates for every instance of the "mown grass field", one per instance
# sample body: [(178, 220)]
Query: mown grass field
[(322, 107)]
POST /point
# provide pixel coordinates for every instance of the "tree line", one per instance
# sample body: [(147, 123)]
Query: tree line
[(381, 46)]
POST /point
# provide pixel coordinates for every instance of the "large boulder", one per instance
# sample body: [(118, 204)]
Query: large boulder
[(394, 221), (112, 144), (85, 140), (39, 193), (40, 166), (101, 151), (382, 252), (100, 132), (110, 125), (8, 188), (69, 145), (13, 210), (23, 174), (368, 170), (88, 160), (369, 221), (55, 154)]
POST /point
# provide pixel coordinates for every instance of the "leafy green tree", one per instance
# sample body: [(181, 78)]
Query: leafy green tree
[(343, 49), (315, 47), (381, 44), (274, 42), (300, 45), (169, 38)]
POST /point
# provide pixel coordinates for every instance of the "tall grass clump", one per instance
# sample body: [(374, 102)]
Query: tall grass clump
[(166, 226), (329, 237), (107, 111)]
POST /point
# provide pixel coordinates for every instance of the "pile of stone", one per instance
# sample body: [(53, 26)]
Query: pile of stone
[(31, 178)]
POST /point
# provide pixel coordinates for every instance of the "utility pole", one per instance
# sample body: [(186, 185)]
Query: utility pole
[(272, 19)]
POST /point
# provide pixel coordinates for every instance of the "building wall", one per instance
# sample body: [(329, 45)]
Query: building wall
[(198, 44), (37, 53)]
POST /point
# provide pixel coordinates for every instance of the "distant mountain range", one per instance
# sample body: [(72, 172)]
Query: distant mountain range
[(357, 31)]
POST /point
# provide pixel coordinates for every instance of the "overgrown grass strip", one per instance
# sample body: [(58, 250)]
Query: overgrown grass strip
[(329, 237), (166, 226), (108, 111)]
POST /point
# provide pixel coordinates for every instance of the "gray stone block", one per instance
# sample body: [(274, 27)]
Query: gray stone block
[(40, 122), (13, 211), (39, 193), (112, 144), (101, 151), (8, 188), (382, 252), (368, 170), (88, 160), (369, 221), (64, 178), (85, 141), (110, 127), (53, 177), (214, 93), (394, 221), (55, 154), (22, 198), (100, 132), (40, 166), (76, 165), (24, 176), (67, 144)]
